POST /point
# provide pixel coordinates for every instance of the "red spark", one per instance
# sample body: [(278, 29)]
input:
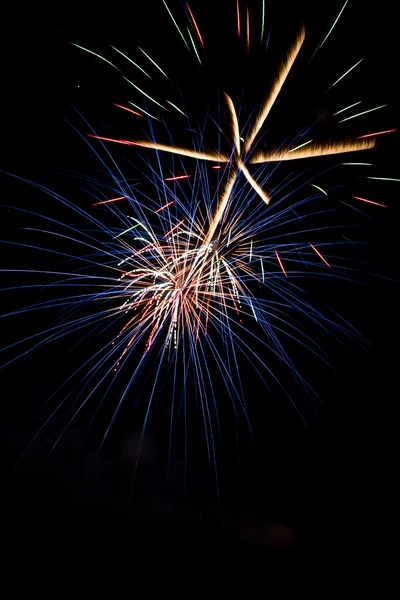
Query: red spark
[(111, 200), (377, 133), (238, 17), (173, 229), (370, 201), (280, 262), (195, 24), (106, 139), (165, 206), (248, 28), (175, 178), (320, 255), (128, 109)]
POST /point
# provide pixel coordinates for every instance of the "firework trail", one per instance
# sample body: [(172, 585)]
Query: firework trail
[(176, 278)]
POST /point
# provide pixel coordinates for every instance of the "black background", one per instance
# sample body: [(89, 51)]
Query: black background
[(329, 480)]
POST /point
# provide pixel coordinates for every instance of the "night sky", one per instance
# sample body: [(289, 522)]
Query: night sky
[(328, 480)]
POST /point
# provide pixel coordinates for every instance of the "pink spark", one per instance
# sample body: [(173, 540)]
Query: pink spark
[(175, 227), (106, 139), (320, 255), (248, 28), (165, 206), (238, 17), (128, 109), (175, 178), (111, 200), (370, 201), (377, 133), (195, 24), (217, 167), (280, 262)]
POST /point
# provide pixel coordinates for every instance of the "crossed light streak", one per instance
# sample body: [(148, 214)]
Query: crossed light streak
[(240, 152)]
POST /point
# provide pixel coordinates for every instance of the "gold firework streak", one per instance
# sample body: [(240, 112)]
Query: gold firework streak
[(312, 151), (276, 88)]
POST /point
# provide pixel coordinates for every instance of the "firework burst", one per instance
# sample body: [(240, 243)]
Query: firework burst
[(192, 268)]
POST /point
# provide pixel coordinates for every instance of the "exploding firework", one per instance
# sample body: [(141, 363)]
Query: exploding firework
[(188, 275)]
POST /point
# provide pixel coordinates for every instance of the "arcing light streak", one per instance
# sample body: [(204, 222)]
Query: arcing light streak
[(347, 108), (320, 255), (329, 32), (97, 55), (344, 74), (176, 25), (195, 25), (369, 201), (360, 137), (108, 201), (363, 113), (154, 62), (131, 61), (280, 262), (276, 88), (128, 110)]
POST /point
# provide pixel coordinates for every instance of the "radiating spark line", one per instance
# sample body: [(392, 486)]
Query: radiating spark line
[(254, 313), (212, 156), (320, 255), (128, 109), (154, 62), (165, 206), (238, 17), (369, 201), (251, 251), (107, 139), (377, 133), (319, 188), (216, 167), (178, 109), (280, 262), (111, 200), (248, 29), (301, 146), (122, 233), (276, 88), (311, 151), (344, 75), (194, 46), (329, 32), (357, 164), (347, 108), (174, 227), (144, 111), (195, 25), (262, 270), (178, 177), (262, 20), (144, 93), (363, 113), (131, 61), (95, 54), (384, 178), (176, 25)]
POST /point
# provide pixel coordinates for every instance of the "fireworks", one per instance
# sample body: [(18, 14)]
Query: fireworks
[(185, 270)]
